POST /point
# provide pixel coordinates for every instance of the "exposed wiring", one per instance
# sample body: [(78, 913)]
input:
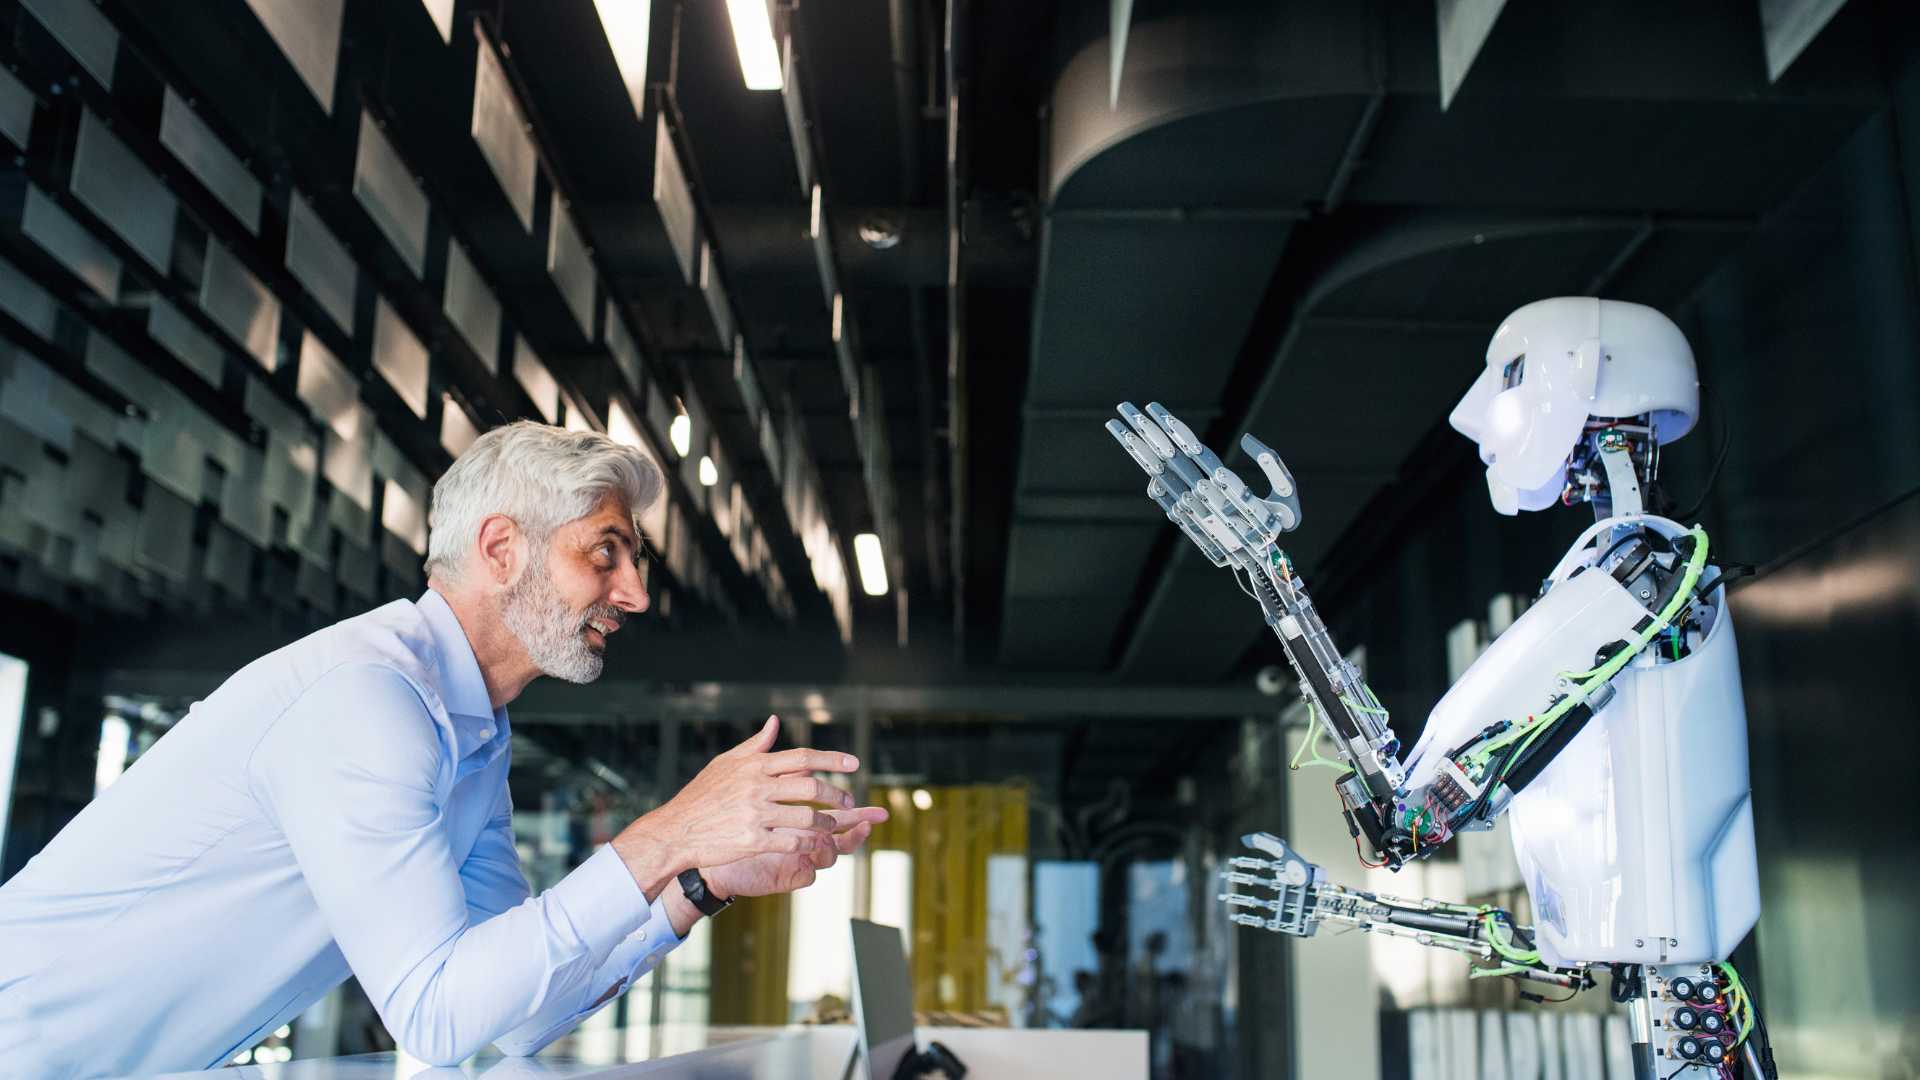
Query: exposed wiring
[(1314, 728), (1541, 999), (1488, 973), (1595, 677), (1243, 585), (1739, 1006), (1505, 947)]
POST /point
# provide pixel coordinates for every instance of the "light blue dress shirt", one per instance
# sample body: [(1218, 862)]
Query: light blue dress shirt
[(338, 806)]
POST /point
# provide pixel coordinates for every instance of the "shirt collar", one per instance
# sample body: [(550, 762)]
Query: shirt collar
[(476, 723)]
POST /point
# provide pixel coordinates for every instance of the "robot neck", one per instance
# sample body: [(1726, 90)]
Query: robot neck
[(1614, 467)]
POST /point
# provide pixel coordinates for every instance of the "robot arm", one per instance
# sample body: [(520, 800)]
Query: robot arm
[(1405, 811), (1278, 890), (1236, 529)]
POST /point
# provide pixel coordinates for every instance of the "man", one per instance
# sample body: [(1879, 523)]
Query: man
[(340, 806)]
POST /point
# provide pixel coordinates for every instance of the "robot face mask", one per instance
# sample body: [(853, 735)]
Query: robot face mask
[(1550, 366)]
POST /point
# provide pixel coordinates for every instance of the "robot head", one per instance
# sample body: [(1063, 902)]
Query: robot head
[(1554, 364)]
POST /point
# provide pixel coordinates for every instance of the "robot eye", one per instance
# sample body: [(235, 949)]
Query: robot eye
[(1515, 371)]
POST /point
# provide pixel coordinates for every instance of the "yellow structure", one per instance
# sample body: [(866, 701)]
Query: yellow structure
[(950, 833)]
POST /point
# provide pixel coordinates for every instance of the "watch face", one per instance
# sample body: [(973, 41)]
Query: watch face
[(703, 900)]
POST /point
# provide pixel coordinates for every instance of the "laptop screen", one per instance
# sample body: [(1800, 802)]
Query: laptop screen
[(882, 998)]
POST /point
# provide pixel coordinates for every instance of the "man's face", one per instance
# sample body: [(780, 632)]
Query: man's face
[(576, 590)]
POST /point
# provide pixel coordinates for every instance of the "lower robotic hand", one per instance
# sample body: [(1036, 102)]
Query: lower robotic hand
[(1278, 890)]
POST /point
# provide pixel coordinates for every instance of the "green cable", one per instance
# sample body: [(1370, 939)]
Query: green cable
[(1312, 740), (1599, 675), (1504, 947), (1357, 707), (1746, 1003), (1488, 973)]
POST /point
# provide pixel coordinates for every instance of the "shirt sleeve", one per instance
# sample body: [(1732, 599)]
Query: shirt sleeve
[(352, 775), (494, 883)]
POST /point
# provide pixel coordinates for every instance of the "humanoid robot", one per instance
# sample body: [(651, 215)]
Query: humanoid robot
[(1607, 722)]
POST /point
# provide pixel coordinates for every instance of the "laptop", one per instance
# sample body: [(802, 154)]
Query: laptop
[(882, 1001)]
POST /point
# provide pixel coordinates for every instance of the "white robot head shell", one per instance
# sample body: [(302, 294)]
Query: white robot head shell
[(1553, 364)]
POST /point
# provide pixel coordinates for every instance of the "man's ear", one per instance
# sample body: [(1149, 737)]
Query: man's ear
[(500, 548)]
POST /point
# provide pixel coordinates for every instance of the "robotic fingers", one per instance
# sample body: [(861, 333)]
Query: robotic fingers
[(1280, 891), (1211, 495)]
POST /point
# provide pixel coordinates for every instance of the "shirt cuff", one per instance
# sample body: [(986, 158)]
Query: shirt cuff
[(658, 929), (604, 903)]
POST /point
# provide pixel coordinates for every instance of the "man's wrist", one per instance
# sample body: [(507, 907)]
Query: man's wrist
[(651, 864), (680, 910)]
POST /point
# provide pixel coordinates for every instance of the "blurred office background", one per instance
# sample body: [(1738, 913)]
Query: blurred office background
[(865, 278)]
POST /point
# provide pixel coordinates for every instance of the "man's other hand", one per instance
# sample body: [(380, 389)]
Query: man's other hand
[(738, 807), (764, 875)]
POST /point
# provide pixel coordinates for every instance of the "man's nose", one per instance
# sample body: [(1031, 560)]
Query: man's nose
[(630, 591)]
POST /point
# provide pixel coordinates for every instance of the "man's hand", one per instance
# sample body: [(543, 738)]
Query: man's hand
[(764, 875), (734, 809)]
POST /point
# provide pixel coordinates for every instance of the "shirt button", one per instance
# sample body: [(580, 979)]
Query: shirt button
[(486, 733)]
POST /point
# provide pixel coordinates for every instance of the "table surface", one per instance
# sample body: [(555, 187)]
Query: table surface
[(736, 1053), (605, 1052)]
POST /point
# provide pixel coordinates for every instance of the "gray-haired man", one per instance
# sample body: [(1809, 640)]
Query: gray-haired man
[(340, 806)]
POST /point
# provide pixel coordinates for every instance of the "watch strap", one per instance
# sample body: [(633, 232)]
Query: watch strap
[(699, 895)]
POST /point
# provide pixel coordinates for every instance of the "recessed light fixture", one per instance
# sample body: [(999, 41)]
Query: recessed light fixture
[(680, 434), (753, 37), (873, 564), (881, 231), (709, 472)]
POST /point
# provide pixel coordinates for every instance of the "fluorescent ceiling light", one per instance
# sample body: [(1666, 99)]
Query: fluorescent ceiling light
[(836, 317), (873, 565), (709, 472), (627, 23), (813, 216), (680, 433), (753, 36)]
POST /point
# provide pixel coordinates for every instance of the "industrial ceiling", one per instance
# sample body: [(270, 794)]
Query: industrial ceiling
[(266, 265)]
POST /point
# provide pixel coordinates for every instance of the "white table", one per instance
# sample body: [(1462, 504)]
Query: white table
[(743, 1053)]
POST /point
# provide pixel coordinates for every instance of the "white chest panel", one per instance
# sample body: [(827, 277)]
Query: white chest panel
[(1636, 843)]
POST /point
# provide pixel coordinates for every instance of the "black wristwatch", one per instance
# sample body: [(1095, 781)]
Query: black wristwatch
[(700, 896)]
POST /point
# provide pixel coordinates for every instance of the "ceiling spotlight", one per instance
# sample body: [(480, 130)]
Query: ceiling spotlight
[(881, 231), (753, 37), (709, 472), (680, 434), (873, 564)]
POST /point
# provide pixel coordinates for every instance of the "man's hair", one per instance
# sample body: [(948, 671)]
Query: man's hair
[(540, 476)]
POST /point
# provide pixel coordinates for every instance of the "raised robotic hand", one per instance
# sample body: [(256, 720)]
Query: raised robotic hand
[(1239, 530), (1278, 890)]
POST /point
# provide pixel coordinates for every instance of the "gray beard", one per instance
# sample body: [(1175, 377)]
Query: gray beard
[(553, 634)]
